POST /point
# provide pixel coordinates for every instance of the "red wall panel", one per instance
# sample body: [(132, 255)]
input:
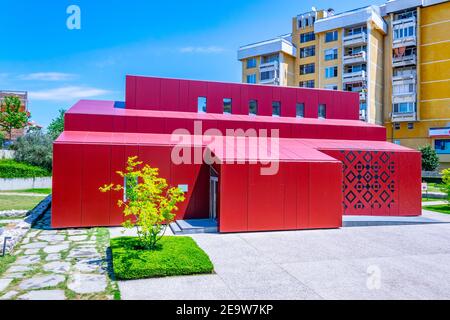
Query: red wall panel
[(148, 93), (409, 173), (233, 183), (170, 95), (66, 185), (96, 205), (118, 163)]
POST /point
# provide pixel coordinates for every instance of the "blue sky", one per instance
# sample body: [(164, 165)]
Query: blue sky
[(194, 39)]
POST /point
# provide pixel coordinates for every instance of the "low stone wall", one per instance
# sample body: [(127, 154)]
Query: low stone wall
[(25, 183), (6, 154), (16, 233)]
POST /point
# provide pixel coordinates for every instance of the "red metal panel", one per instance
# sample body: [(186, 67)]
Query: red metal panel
[(157, 157), (178, 123), (148, 93), (119, 124), (290, 181), (66, 190), (184, 98), (131, 124), (303, 197), (310, 99), (130, 92), (170, 95), (326, 97), (96, 173), (216, 93), (118, 163), (150, 125), (325, 214), (197, 89), (265, 205), (235, 90), (409, 176), (233, 183), (288, 102), (103, 123)]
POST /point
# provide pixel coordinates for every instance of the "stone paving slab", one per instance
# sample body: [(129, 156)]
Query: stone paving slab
[(59, 264)]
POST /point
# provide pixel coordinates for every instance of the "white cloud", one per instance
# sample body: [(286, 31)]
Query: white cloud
[(47, 76), (204, 50), (69, 93)]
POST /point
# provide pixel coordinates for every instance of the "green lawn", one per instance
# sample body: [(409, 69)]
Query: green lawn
[(175, 256), (19, 202), (430, 199), (442, 208), (434, 187), (43, 191), (5, 261)]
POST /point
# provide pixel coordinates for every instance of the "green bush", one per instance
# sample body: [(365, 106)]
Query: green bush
[(35, 148), (173, 256), (430, 160), (13, 169)]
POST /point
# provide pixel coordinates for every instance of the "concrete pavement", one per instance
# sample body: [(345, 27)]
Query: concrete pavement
[(377, 262)]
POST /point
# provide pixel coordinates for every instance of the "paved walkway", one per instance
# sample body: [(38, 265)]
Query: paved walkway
[(382, 262), (59, 264), (25, 194)]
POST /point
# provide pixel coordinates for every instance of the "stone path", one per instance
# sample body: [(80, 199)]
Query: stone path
[(60, 264)]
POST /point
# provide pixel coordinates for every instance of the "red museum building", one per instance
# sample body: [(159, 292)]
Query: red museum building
[(329, 163)]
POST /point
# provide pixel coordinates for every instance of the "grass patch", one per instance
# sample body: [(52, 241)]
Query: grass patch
[(44, 191), (175, 256), (18, 202), (442, 208), (5, 261), (13, 169)]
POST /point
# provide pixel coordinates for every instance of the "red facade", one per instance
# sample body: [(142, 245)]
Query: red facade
[(340, 159)]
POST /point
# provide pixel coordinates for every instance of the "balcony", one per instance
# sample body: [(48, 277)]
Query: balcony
[(404, 22), (357, 76), (362, 115), (405, 77), (404, 97), (362, 96), (404, 60), (355, 39), (359, 57), (404, 42), (403, 116), (274, 80), (269, 66)]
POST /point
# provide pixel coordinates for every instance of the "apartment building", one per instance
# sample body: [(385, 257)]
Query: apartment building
[(396, 55)]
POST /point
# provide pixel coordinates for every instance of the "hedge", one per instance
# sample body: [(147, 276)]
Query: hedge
[(12, 169)]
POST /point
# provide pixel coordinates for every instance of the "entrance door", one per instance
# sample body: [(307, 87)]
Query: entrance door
[(213, 189)]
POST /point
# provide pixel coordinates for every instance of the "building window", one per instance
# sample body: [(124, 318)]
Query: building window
[(201, 104), (227, 105), (396, 126), (307, 52), (276, 108), (404, 32), (300, 110), (331, 54), (404, 89), (251, 78), (267, 75), (322, 111), (442, 146), (251, 63), (331, 72), (307, 68), (404, 107), (270, 58), (410, 125), (253, 107), (306, 84), (331, 36), (331, 87), (306, 37)]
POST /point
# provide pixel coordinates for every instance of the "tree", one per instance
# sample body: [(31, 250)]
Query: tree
[(35, 148), (430, 160), (445, 187), (149, 204), (56, 127), (12, 115)]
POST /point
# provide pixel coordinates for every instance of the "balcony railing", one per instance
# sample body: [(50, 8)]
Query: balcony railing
[(403, 22), (362, 115), (404, 42), (404, 60), (269, 65), (404, 97), (355, 58), (354, 76), (274, 80), (362, 96), (403, 116), (355, 39), (404, 76)]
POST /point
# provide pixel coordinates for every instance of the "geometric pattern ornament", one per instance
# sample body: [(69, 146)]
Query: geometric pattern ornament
[(369, 182)]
